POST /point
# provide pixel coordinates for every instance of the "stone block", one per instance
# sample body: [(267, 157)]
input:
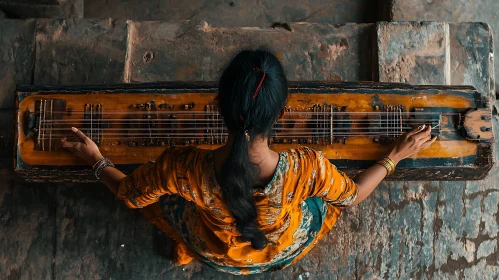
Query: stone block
[(80, 51), (43, 8), (258, 13), (453, 11), (16, 57), (471, 54), (413, 52), (6, 138), (27, 229), (88, 230), (166, 51)]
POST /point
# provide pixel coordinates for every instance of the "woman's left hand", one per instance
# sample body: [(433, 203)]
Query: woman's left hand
[(85, 148)]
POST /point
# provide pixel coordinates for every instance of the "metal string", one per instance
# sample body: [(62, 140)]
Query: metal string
[(73, 112), (216, 130)]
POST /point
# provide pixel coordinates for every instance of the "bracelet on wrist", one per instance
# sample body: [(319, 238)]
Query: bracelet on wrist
[(98, 162), (100, 165), (388, 164)]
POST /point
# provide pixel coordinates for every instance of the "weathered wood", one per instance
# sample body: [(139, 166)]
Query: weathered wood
[(455, 156)]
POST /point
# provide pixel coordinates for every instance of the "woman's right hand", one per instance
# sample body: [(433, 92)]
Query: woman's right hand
[(412, 142)]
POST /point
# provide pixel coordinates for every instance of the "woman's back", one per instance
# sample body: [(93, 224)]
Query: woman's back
[(291, 211)]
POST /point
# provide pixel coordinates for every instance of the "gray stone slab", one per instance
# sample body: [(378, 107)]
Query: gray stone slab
[(450, 11), (233, 13), (43, 8), (88, 236), (6, 138), (146, 251), (80, 51), (166, 51), (27, 229), (98, 236), (16, 57), (413, 52), (471, 54)]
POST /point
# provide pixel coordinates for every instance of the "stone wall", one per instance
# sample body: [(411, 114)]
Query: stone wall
[(450, 11)]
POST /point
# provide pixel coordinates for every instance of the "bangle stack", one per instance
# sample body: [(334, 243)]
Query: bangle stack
[(100, 165), (388, 164)]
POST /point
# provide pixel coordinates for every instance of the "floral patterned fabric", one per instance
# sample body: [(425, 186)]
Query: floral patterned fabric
[(295, 210)]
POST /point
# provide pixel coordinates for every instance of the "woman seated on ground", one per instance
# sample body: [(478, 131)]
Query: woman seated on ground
[(244, 208)]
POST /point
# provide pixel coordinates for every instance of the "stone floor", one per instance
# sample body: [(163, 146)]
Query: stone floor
[(418, 229)]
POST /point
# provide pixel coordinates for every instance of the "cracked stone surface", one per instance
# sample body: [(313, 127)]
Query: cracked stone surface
[(16, 57), (414, 53), (76, 51), (449, 11), (165, 51), (235, 13), (42, 8), (442, 53), (418, 229)]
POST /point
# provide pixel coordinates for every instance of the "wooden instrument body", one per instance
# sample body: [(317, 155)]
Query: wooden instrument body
[(353, 124)]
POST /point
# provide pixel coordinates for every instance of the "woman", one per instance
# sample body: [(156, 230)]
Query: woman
[(244, 208)]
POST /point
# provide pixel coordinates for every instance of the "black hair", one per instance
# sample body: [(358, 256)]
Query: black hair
[(248, 113)]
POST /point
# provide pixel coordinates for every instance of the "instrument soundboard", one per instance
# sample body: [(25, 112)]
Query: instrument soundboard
[(353, 124)]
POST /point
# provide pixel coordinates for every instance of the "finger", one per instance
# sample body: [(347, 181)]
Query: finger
[(423, 133), (416, 130), (70, 145), (79, 134), (424, 138), (429, 142)]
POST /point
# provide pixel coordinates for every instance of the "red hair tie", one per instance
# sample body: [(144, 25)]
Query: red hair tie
[(260, 84)]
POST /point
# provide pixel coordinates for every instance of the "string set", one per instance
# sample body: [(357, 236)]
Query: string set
[(209, 125)]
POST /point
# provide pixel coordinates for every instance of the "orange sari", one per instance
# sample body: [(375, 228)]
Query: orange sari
[(295, 210)]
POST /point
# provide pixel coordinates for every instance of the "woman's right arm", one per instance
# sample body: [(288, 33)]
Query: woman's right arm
[(405, 146), (143, 186)]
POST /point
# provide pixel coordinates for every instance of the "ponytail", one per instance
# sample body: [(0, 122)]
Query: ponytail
[(239, 176), (252, 91)]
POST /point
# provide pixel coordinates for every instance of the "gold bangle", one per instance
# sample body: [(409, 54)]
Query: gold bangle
[(392, 164), (392, 167), (388, 164), (391, 161)]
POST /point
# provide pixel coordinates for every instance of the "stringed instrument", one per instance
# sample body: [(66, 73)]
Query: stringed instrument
[(353, 124)]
